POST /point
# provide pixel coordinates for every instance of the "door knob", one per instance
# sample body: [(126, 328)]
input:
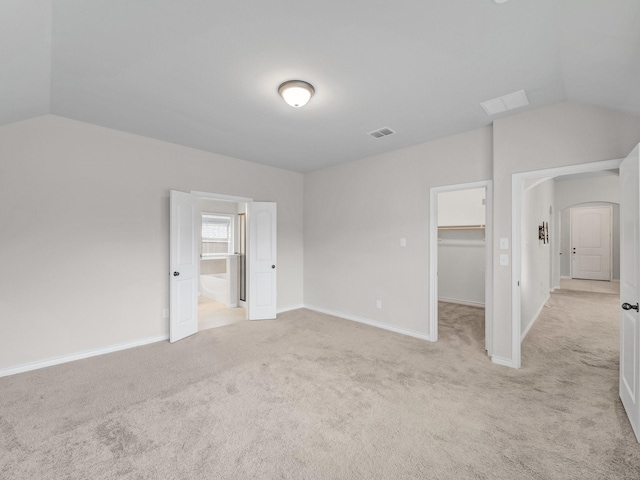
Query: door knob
[(628, 306), (175, 274), (273, 266)]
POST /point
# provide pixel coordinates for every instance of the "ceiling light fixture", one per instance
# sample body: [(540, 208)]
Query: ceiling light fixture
[(296, 92)]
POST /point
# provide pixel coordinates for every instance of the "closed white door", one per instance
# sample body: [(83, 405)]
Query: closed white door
[(261, 261), (591, 243), (630, 288), (183, 262)]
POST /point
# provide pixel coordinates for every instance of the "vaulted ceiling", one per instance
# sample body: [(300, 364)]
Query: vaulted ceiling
[(205, 73)]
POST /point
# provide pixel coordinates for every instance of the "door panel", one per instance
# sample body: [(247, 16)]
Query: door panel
[(262, 228), (183, 261), (629, 354), (630, 288), (591, 243)]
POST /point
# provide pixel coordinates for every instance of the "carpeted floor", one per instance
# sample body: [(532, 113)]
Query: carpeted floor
[(310, 396)]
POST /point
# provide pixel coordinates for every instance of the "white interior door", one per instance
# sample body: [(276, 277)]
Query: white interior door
[(591, 243), (262, 232), (183, 262), (630, 288)]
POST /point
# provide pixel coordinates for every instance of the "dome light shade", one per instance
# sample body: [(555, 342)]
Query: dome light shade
[(296, 92)]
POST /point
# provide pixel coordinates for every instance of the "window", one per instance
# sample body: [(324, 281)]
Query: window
[(217, 234)]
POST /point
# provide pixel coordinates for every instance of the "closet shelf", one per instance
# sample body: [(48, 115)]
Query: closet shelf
[(463, 227)]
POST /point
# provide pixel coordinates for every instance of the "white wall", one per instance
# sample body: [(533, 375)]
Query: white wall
[(207, 205), (536, 255), (461, 269), (562, 134), (84, 229), (462, 207), (355, 215)]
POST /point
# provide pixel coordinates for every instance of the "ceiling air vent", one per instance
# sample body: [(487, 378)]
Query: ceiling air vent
[(507, 102), (381, 132)]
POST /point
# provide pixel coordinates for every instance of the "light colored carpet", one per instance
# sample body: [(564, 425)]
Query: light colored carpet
[(310, 396)]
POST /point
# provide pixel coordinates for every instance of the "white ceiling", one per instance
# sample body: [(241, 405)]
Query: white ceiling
[(205, 73)]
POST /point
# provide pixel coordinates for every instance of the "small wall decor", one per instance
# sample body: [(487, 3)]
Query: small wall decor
[(543, 232), (546, 232)]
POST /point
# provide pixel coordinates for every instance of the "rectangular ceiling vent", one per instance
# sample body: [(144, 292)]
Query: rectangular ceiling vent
[(381, 132), (505, 103)]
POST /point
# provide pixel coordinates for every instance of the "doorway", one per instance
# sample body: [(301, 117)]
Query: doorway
[(461, 251), (521, 182), (186, 248), (220, 267)]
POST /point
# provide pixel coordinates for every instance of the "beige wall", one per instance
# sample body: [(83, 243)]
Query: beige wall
[(535, 278), (100, 199), (562, 134), (355, 215)]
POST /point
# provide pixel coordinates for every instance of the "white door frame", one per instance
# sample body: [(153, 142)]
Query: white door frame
[(433, 258), (220, 197), (517, 204)]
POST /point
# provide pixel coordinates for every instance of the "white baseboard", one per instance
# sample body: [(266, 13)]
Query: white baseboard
[(534, 319), (79, 356), (468, 303), (505, 362), (289, 309), (354, 318)]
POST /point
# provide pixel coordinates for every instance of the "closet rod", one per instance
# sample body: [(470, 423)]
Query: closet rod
[(463, 227)]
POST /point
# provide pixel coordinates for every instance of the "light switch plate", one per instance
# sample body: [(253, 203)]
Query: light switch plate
[(504, 243), (403, 242), (504, 260)]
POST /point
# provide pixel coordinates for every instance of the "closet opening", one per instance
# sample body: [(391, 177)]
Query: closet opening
[(461, 262)]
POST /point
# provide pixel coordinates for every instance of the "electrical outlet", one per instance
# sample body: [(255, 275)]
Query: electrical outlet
[(165, 313), (378, 303)]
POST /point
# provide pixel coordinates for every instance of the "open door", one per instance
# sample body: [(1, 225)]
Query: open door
[(630, 288), (183, 263), (261, 262)]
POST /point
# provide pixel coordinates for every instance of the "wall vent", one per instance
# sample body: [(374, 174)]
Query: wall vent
[(381, 132)]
